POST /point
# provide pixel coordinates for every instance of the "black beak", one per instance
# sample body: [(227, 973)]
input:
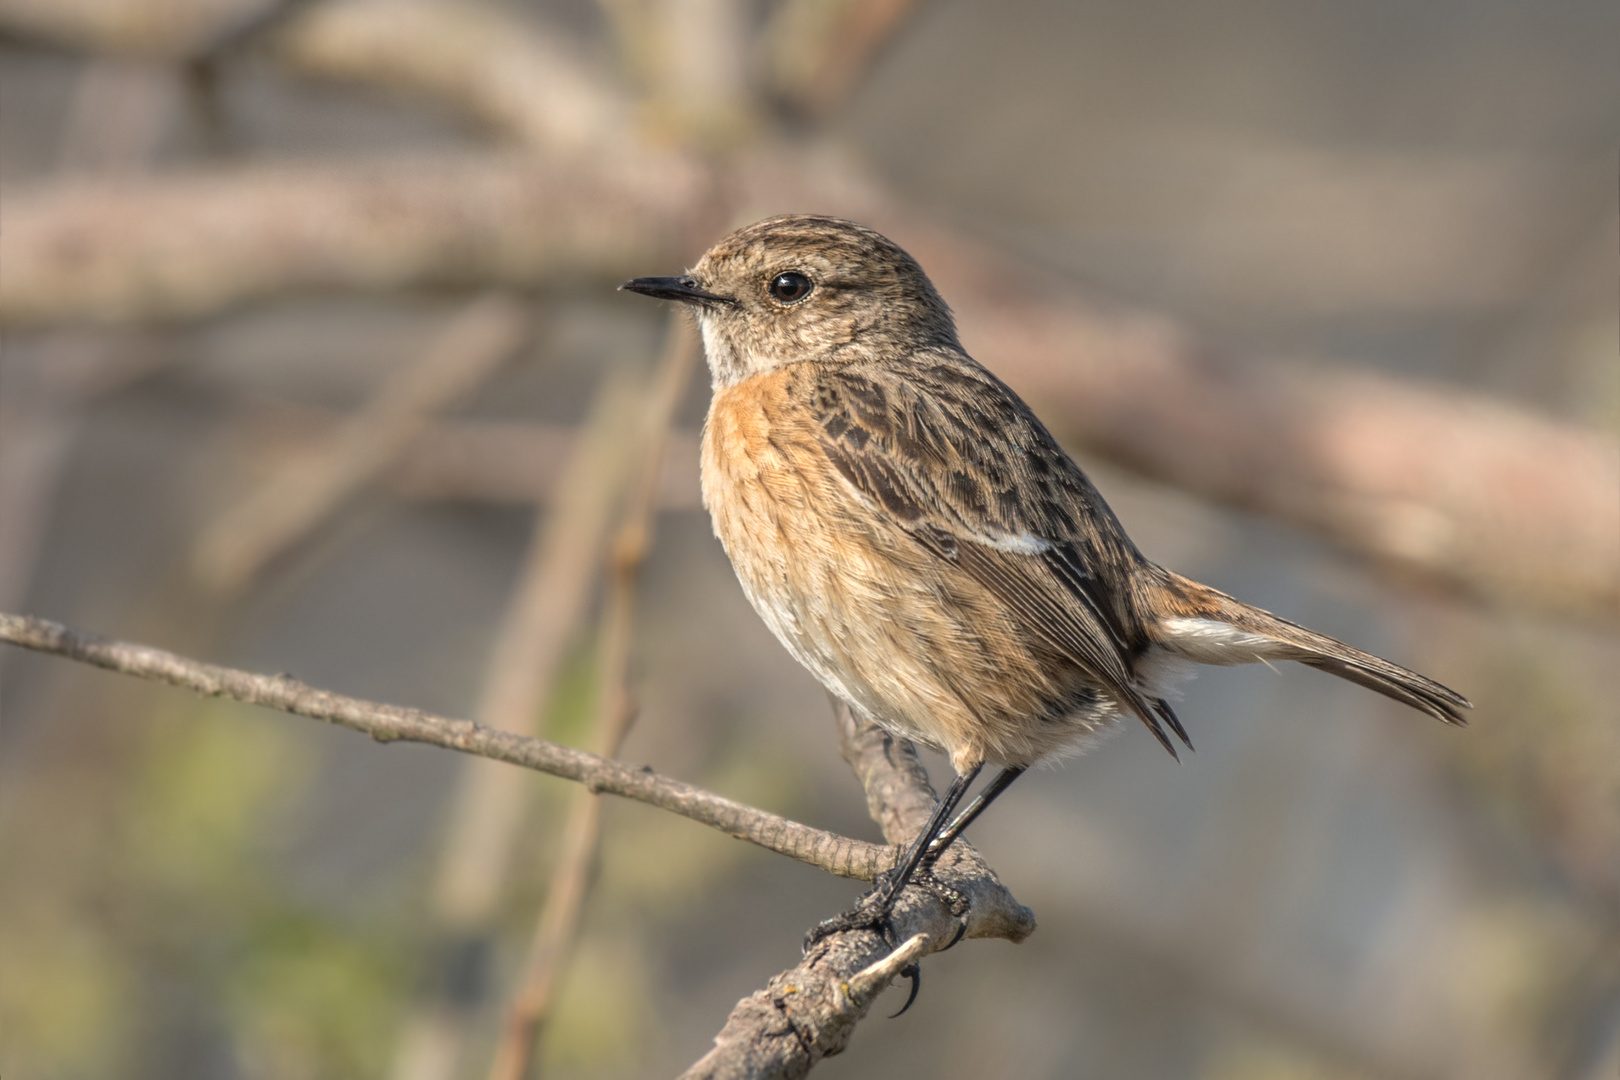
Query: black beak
[(683, 289)]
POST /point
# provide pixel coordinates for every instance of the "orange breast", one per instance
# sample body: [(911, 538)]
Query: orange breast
[(753, 447)]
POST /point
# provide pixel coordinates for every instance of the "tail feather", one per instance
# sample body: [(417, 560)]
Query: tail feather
[(1209, 627), (1394, 681)]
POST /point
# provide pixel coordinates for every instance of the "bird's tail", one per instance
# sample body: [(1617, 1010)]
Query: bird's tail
[(1209, 627)]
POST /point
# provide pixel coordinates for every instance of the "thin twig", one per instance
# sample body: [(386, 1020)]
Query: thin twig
[(835, 854), (558, 924), (810, 1011), (306, 490)]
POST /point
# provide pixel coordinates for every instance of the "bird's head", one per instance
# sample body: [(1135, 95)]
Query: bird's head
[(797, 288)]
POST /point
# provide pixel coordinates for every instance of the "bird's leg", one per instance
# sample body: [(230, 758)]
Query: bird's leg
[(953, 899), (983, 799), (891, 884), (873, 909)]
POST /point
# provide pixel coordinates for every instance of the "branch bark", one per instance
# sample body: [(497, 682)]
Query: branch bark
[(827, 851), (810, 1011)]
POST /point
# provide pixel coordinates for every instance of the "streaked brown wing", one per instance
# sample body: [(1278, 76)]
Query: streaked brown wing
[(964, 466)]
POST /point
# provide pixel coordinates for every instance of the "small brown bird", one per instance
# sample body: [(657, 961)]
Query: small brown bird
[(918, 540)]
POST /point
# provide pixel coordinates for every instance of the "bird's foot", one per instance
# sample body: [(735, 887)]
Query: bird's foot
[(873, 910)]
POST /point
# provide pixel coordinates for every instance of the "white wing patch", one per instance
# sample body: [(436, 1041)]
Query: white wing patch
[(1022, 544), (1210, 641)]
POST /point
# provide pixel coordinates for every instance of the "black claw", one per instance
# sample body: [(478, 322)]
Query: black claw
[(914, 973), (961, 932)]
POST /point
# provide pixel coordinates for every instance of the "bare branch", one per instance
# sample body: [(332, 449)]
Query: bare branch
[(810, 1011), (306, 490), (835, 854)]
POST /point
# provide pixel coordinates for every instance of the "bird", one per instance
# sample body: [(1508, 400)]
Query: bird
[(915, 536)]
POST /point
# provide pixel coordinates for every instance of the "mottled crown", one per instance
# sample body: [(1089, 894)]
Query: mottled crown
[(864, 298)]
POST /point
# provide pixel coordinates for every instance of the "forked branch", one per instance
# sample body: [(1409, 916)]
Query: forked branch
[(810, 1011)]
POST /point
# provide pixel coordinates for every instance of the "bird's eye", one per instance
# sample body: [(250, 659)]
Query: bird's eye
[(790, 287)]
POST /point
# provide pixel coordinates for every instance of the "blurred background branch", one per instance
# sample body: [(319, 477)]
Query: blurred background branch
[(818, 51), (186, 246)]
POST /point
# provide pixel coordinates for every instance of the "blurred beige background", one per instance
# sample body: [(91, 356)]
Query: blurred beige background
[(1331, 887)]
